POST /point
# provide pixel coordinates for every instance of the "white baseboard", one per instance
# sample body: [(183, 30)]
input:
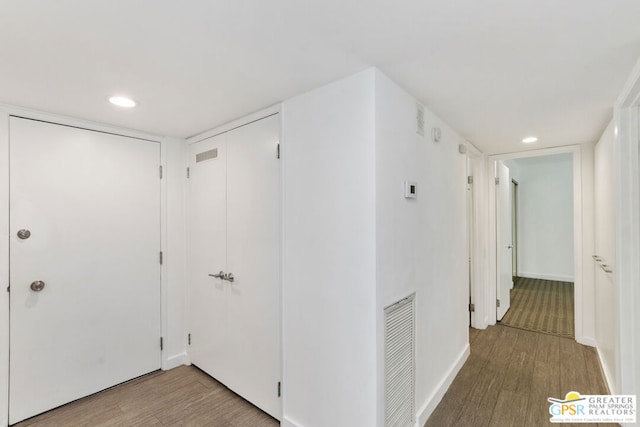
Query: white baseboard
[(287, 422), (543, 276), (430, 404), (175, 361), (606, 372), (591, 342)]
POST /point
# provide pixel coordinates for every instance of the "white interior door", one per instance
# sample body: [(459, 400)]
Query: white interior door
[(253, 257), (91, 202), (234, 227), (504, 246), (207, 255)]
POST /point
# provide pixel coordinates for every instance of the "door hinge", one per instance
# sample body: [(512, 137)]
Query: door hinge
[(472, 308), (8, 288), (161, 257), (497, 303), (160, 171), (189, 339), (161, 343), (279, 389), (470, 179), (497, 180), (278, 151), (188, 173)]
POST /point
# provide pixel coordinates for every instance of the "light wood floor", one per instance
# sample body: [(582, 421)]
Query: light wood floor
[(505, 382), (509, 376), (183, 396)]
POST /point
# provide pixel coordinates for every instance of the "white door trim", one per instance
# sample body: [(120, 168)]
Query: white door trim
[(254, 117), (490, 288), (5, 112)]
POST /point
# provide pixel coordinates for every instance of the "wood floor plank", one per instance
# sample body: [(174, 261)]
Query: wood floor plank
[(573, 376), (456, 395), (184, 396), (520, 369), (507, 411), (483, 397), (510, 375), (545, 381)]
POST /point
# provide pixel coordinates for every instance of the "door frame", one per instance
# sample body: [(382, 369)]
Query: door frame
[(5, 112), (498, 236), (581, 276), (514, 227), (475, 235)]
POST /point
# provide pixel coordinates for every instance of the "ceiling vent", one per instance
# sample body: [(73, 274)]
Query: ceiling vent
[(207, 155)]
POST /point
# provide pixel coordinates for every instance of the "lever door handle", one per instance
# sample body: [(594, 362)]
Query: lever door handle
[(220, 275)]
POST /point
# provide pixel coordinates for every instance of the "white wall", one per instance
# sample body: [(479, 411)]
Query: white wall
[(329, 255), (545, 216), (354, 244), (174, 248), (421, 243)]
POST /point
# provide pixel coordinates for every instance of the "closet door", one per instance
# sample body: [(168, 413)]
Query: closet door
[(234, 228), (606, 292), (253, 257), (207, 255)]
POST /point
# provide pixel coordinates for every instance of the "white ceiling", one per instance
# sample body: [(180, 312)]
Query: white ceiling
[(496, 71)]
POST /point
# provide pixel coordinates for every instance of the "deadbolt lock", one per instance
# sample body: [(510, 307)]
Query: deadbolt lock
[(37, 286), (24, 234)]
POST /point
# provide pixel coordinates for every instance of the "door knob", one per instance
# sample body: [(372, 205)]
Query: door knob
[(24, 234), (229, 277), (220, 275), (37, 286)]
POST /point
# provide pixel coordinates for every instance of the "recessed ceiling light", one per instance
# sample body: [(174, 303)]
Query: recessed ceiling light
[(122, 101), (530, 139)]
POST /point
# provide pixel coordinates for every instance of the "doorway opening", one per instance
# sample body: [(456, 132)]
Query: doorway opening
[(535, 245)]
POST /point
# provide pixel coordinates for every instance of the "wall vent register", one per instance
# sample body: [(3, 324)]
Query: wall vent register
[(399, 363), (207, 155)]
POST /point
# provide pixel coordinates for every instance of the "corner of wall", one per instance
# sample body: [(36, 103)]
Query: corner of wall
[(420, 243), (329, 227), (174, 186)]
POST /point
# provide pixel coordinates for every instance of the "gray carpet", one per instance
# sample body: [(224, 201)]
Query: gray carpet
[(542, 306)]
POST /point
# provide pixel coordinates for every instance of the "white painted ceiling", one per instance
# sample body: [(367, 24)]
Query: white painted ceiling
[(496, 71)]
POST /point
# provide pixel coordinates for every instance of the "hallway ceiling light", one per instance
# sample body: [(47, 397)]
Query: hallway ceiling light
[(122, 101), (530, 139)]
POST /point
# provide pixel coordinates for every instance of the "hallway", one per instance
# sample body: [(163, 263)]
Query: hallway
[(509, 375)]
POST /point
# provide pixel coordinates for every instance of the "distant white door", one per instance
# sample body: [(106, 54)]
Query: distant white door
[(504, 246), (85, 285), (235, 228)]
